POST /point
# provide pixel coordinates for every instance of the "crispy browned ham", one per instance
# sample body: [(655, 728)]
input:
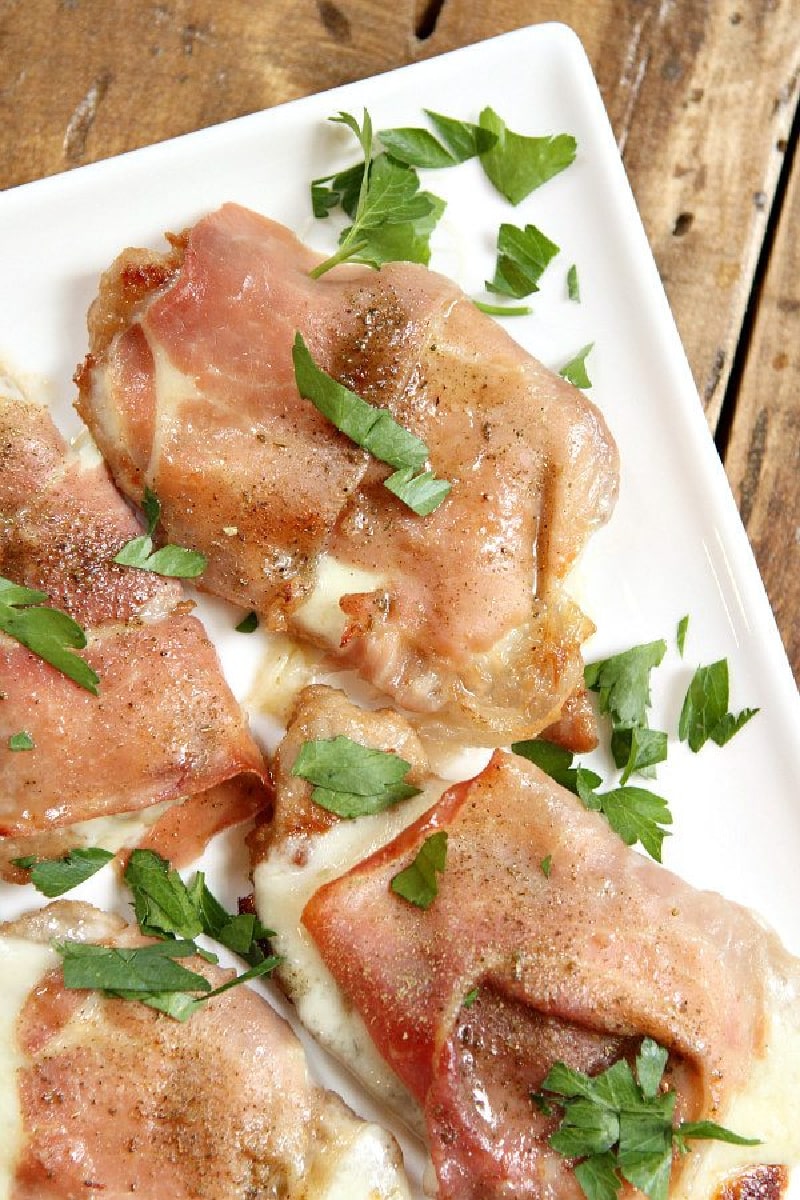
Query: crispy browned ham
[(470, 1002), (164, 727), (114, 1099), (460, 617)]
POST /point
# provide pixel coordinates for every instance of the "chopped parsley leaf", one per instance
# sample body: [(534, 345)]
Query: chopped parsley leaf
[(48, 633), (620, 1125), (21, 741), (352, 780), (375, 430), (174, 562), (419, 883), (517, 164), (705, 714)]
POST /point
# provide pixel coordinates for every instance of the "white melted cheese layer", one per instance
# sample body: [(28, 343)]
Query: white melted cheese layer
[(282, 890), (120, 830), (22, 966), (172, 388), (766, 1108), (361, 1162), (320, 616)]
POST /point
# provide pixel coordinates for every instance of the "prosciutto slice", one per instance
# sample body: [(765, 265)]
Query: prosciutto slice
[(470, 1002), (164, 727), (112, 1098), (460, 617)]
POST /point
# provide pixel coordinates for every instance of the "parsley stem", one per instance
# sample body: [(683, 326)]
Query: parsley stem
[(345, 251), (503, 310)]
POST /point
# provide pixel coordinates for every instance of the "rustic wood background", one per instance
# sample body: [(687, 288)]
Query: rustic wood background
[(702, 95)]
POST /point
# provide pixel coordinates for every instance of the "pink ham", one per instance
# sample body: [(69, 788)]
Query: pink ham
[(575, 966), (116, 1099), (189, 388), (164, 727)]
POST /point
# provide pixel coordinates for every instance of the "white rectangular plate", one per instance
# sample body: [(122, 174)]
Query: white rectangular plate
[(675, 545)]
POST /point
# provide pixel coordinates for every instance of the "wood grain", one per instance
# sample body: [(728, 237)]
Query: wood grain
[(701, 95), (763, 457)]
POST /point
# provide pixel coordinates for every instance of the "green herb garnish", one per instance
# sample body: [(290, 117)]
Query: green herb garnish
[(636, 814), (638, 749), (620, 1126), (704, 714), (416, 148), (48, 633), (419, 883), (147, 973), (391, 217), (21, 741), (374, 429), (242, 933), (161, 900), (573, 284), (470, 998), (554, 760), (464, 140), (517, 164), (172, 561), (503, 310), (546, 866), (352, 780), (248, 624), (166, 907), (622, 682), (575, 371), (623, 685), (421, 493), (680, 637), (522, 256), (55, 876), (419, 148)]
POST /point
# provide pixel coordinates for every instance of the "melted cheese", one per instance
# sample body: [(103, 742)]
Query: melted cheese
[(766, 1109), (172, 387), (22, 965), (319, 616), (282, 889), (284, 670), (120, 830), (354, 1161)]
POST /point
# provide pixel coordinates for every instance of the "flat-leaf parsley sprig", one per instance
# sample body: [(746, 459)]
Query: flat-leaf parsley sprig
[(391, 217), (168, 910), (620, 1125), (636, 814)]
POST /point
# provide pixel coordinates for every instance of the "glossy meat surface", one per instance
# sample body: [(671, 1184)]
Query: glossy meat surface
[(117, 1099), (164, 726), (577, 966), (461, 616)]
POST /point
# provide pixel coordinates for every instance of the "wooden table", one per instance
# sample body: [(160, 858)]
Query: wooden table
[(702, 95)]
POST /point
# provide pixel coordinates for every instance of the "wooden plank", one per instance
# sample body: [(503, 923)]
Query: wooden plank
[(83, 81), (763, 454), (699, 94)]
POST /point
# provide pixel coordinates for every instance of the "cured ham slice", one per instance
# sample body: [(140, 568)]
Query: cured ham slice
[(467, 1005), (460, 617), (164, 727), (106, 1096)]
